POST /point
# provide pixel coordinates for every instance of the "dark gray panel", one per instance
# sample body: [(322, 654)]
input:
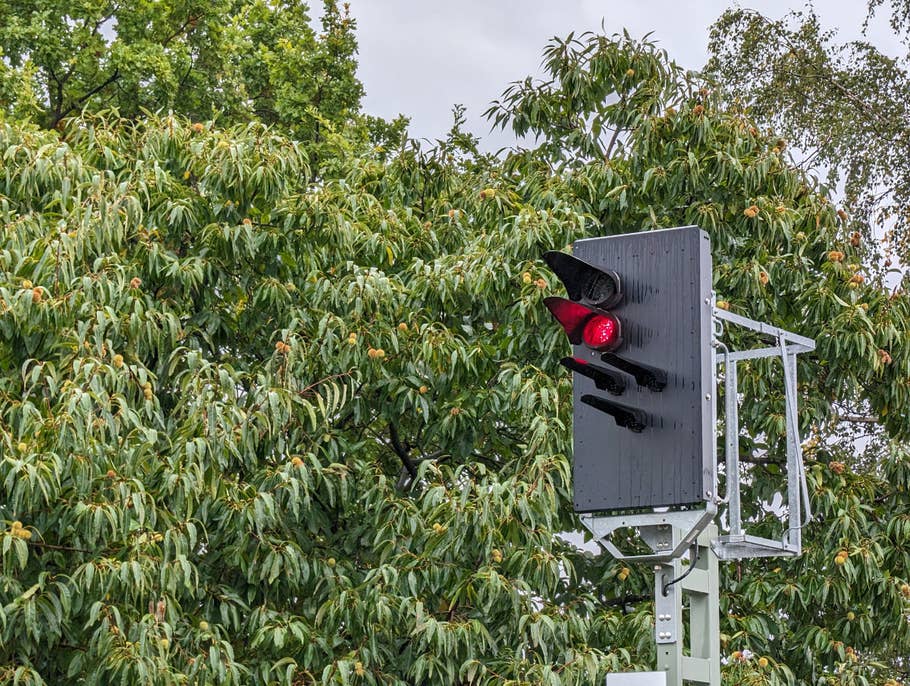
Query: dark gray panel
[(666, 319)]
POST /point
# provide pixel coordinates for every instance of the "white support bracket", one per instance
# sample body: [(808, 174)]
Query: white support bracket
[(657, 529), (670, 533), (737, 544)]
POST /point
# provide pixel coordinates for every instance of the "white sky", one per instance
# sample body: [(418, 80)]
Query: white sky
[(420, 57)]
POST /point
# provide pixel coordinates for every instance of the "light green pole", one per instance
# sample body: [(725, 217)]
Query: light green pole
[(700, 664)]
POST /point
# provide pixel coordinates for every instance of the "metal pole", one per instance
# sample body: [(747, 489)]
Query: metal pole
[(668, 628), (731, 419), (703, 589), (794, 463), (702, 664)]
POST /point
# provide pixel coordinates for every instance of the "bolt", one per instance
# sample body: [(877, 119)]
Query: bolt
[(707, 396)]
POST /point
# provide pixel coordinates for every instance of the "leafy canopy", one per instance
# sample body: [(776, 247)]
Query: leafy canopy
[(237, 60), (843, 105), (290, 411)]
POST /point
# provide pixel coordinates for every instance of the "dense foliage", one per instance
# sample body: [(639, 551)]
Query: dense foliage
[(843, 105), (283, 410), (237, 60)]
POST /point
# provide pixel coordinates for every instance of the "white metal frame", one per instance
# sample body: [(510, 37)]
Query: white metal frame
[(737, 544), (670, 533)]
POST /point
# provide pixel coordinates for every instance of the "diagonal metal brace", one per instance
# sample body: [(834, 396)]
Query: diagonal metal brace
[(655, 528)]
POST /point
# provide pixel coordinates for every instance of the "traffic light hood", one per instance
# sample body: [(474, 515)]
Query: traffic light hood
[(585, 283)]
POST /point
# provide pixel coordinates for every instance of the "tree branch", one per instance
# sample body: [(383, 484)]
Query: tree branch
[(189, 23), (858, 419), (81, 101), (612, 143), (752, 459), (401, 451)]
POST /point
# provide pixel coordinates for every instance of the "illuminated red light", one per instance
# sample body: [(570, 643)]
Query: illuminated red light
[(597, 330), (571, 315), (601, 332)]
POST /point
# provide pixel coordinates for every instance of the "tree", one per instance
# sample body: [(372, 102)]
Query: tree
[(234, 60), (260, 422), (843, 106), (271, 416)]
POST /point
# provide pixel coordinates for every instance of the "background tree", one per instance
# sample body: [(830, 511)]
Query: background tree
[(235, 60), (264, 429), (843, 105), (263, 421)]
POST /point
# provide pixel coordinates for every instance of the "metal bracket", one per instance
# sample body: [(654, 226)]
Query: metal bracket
[(658, 528), (655, 528), (737, 544)]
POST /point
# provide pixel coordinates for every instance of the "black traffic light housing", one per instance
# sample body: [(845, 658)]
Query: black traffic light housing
[(639, 318)]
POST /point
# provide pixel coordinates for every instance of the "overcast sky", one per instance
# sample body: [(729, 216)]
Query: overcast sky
[(420, 57)]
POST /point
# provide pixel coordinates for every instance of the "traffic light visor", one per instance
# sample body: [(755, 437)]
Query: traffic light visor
[(585, 283)]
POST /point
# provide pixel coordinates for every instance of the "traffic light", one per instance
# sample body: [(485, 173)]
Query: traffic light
[(638, 315)]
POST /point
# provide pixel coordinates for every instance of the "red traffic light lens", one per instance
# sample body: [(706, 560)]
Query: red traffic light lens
[(597, 330), (601, 332)]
